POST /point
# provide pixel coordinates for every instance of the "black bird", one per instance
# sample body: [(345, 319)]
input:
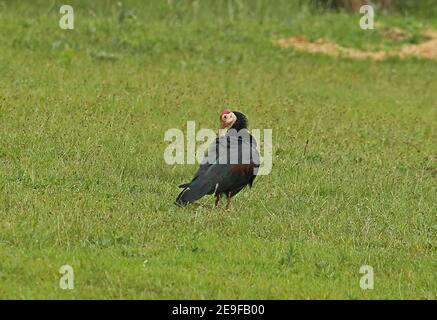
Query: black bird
[(231, 163)]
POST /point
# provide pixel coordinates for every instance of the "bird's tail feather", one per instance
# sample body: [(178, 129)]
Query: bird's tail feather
[(193, 192), (183, 185)]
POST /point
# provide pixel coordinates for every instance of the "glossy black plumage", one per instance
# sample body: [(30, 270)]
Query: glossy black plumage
[(229, 177)]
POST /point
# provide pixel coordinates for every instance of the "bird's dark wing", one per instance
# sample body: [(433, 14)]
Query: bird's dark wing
[(202, 169), (205, 163), (222, 177), (201, 185), (219, 178)]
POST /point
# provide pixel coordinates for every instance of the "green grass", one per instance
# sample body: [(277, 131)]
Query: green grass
[(83, 179)]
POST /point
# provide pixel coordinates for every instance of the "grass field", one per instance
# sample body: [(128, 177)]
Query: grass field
[(83, 180)]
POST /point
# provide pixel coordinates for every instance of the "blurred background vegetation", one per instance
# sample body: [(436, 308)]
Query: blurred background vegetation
[(423, 8), (415, 7)]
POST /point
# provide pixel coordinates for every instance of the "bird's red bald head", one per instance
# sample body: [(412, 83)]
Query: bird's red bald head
[(227, 119), (226, 111)]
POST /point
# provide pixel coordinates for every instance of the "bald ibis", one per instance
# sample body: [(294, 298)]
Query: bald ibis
[(230, 165)]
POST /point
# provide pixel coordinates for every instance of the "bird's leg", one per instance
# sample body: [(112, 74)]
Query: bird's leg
[(217, 196), (228, 197), (217, 200)]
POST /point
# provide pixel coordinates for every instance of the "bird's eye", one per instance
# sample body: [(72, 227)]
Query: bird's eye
[(225, 117)]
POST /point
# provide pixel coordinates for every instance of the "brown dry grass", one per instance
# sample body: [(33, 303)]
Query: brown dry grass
[(424, 50)]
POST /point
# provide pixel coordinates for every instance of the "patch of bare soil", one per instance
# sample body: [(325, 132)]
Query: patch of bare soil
[(424, 50)]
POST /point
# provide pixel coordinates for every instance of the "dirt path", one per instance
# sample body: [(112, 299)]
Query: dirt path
[(425, 50)]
